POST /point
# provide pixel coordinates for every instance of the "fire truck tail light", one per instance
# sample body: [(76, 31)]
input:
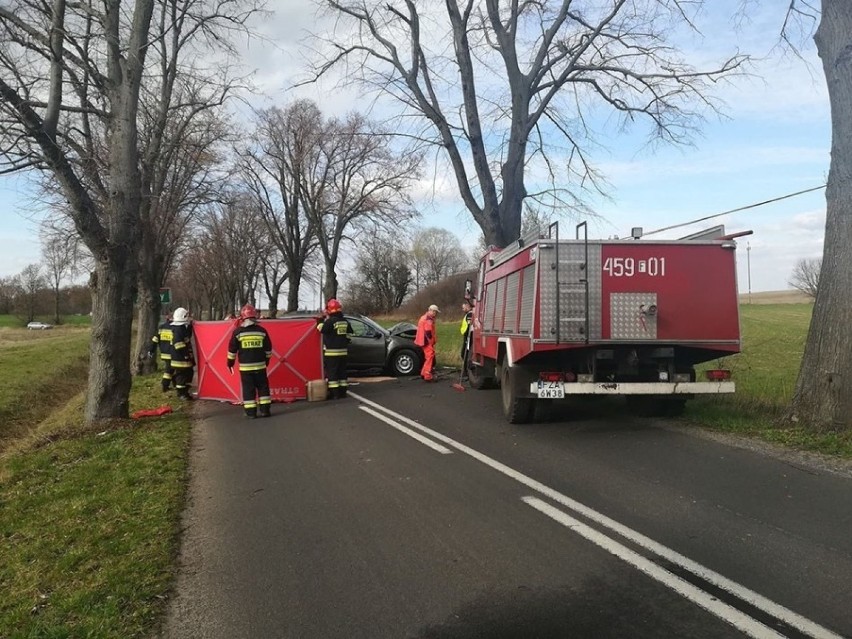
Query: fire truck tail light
[(570, 377), (550, 377), (681, 377), (585, 378), (718, 375)]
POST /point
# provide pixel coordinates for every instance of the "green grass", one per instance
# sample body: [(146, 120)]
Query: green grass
[(765, 372), (40, 371), (89, 523), (14, 321)]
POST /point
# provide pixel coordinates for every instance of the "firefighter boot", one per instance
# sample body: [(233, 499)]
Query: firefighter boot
[(251, 413), (263, 410), (167, 383)]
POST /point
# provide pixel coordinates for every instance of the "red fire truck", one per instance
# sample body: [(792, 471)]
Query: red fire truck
[(562, 317)]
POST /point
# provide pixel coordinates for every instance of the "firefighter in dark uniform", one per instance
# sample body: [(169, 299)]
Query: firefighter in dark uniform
[(335, 348), (183, 359), (163, 339), (250, 344)]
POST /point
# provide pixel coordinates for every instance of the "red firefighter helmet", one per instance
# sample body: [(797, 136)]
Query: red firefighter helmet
[(333, 306), (248, 312)]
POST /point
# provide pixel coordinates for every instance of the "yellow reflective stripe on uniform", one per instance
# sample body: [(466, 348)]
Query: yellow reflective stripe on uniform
[(232, 356), (178, 364), (335, 352), (253, 367), (165, 356)]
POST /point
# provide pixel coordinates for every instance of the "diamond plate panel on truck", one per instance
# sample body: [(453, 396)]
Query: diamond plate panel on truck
[(626, 318), (571, 291), (525, 324), (547, 291), (510, 322)]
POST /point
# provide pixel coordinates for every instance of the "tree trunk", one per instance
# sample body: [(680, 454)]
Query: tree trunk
[(823, 396), (147, 322), (329, 287), (273, 300), (113, 285), (294, 280), (56, 294)]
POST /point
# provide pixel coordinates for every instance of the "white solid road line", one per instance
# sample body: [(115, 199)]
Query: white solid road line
[(793, 619), (423, 440), (731, 615)]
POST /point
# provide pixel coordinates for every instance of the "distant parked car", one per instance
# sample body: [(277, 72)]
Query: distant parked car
[(39, 326)]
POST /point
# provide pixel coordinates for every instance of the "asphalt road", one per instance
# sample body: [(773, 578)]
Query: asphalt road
[(415, 511)]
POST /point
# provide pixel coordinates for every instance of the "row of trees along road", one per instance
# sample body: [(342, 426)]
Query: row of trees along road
[(90, 95)]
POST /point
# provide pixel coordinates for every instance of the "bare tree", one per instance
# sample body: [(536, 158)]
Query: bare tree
[(285, 141), (356, 181), (181, 129), (67, 69), (805, 276), (822, 399), (10, 290), (32, 282), (223, 265), (513, 88), (59, 252), (383, 276), (273, 275), (436, 254)]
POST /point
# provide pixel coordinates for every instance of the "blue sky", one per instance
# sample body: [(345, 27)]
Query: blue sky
[(774, 140)]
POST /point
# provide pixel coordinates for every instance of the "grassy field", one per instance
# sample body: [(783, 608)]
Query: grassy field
[(89, 518), (40, 371), (14, 321)]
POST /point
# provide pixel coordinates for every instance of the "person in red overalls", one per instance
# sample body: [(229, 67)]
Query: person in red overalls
[(426, 338)]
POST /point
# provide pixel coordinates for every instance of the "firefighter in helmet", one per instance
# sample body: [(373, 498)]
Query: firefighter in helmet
[(335, 348), (163, 340), (250, 344), (183, 360), (426, 337)]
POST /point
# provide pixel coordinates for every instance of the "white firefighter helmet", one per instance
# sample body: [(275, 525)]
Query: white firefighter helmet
[(180, 316)]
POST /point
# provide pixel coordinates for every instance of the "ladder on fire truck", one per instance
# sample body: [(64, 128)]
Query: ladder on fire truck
[(572, 295)]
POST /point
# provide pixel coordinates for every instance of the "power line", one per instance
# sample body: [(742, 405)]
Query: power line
[(742, 208)]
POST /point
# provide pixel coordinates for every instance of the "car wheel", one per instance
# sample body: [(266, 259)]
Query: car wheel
[(404, 362)]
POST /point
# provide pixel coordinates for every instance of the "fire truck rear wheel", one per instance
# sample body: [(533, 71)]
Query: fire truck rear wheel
[(478, 379), (517, 410)]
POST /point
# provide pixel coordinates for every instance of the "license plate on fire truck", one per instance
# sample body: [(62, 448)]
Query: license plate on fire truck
[(550, 390)]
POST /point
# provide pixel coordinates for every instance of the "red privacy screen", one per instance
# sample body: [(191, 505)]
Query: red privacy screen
[(296, 359)]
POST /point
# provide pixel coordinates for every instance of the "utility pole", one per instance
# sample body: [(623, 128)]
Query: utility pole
[(748, 262)]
